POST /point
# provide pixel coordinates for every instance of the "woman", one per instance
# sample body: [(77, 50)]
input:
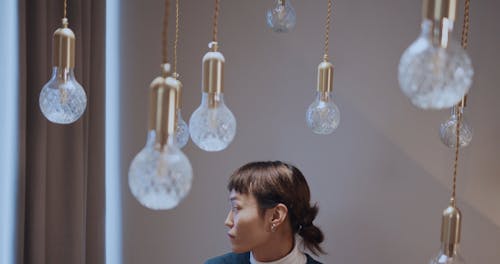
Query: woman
[(270, 209)]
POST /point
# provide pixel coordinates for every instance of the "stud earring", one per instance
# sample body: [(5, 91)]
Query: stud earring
[(273, 228)]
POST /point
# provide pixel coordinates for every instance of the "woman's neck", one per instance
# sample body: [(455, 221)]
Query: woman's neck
[(280, 245)]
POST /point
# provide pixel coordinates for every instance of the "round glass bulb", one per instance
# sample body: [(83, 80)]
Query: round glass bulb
[(442, 258), (212, 126), (323, 115), (447, 132), (181, 131), (434, 77), (62, 99), (281, 17), (159, 180)]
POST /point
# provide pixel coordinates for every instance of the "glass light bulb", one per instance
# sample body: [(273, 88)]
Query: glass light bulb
[(434, 77), (159, 180), (281, 17), (447, 132), (212, 128), (323, 115), (442, 258), (181, 131), (62, 99)]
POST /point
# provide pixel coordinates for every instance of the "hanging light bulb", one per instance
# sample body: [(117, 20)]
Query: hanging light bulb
[(281, 17), (62, 99), (447, 132), (160, 175), (435, 72), (323, 115), (181, 128), (212, 126), (450, 237)]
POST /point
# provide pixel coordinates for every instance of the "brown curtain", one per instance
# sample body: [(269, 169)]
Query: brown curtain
[(62, 201)]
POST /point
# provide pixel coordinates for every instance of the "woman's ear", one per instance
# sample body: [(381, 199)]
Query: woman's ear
[(279, 214)]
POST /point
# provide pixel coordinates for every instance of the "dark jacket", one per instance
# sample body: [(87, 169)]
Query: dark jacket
[(244, 258)]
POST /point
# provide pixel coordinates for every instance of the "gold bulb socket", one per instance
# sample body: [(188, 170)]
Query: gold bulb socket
[(64, 46), (213, 71), (436, 10), (450, 229), (325, 77), (162, 113), (442, 14)]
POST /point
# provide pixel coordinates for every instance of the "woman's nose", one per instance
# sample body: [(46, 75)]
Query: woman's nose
[(229, 219)]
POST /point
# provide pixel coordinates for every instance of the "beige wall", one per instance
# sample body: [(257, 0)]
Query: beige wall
[(381, 179)]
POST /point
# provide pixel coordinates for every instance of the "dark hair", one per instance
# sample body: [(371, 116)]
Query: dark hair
[(274, 182)]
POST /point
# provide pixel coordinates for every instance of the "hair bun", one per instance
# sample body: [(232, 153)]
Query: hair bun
[(312, 237), (310, 233)]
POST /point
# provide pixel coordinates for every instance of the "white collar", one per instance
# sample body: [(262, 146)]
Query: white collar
[(294, 257)]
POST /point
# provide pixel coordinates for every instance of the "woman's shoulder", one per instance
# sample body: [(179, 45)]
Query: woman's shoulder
[(310, 260), (231, 258)]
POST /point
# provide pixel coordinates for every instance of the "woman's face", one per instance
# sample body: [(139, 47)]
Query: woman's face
[(247, 228)]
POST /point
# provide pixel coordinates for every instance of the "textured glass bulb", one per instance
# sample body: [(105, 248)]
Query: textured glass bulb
[(181, 131), (442, 258), (447, 132), (434, 77), (281, 17), (212, 127), (62, 99), (159, 180), (323, 115)]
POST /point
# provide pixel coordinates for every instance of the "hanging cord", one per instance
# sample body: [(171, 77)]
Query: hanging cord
[(164, 32), (459, 107), (466, 25), (216, 17), (457, 148), (176, 41), (327, 33), (65, 8)]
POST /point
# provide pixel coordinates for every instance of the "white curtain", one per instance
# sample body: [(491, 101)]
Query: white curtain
[(9, 131)]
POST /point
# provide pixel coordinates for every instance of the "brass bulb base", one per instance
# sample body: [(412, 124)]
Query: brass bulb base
[(162, 114), (442, 14), (64, 46), (325, 77), (436, 10), (451, 229), (213, 71)]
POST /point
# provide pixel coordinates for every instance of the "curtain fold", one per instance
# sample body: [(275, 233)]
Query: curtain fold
[(62, 175)]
